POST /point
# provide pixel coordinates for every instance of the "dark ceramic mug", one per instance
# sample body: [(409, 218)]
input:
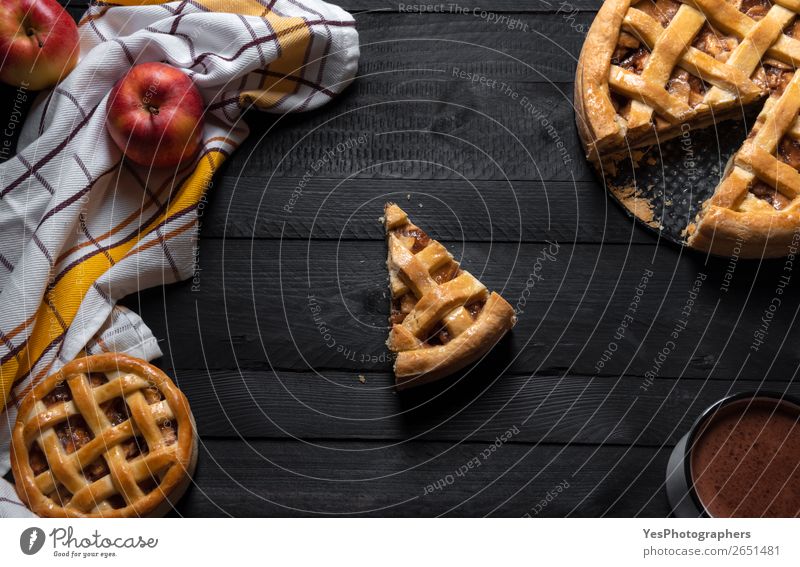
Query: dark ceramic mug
[(682, 486)]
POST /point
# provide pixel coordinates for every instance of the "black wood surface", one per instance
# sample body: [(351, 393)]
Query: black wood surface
[(299, 421)]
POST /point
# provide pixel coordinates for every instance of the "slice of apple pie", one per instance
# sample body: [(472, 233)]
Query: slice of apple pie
[(442, 317)]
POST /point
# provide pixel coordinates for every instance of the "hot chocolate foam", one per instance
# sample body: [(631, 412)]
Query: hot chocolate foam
[(745, 460)]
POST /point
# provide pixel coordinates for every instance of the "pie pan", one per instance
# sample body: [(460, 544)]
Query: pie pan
[(105, 436)]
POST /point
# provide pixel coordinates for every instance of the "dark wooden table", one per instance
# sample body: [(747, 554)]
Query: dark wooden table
[(279, 341)]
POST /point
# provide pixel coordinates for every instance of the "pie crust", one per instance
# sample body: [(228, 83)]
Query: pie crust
[(653, 68), (106, 436), (442, 317)]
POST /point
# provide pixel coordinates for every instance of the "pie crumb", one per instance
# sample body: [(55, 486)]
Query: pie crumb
[(636, 157), (362, 378), (636, 204)]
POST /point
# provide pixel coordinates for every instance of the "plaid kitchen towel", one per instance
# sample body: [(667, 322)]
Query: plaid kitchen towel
[(81, 228)]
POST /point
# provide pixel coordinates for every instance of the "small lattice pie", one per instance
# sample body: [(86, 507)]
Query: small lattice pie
[(106, 436), (652, 69), (442, 318)]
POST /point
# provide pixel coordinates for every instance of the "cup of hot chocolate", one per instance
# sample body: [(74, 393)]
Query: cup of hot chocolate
[(741, 458)]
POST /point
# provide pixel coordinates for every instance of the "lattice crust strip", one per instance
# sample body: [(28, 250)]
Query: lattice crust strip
[(647, 90), (443, 317), (727, 78), (107, 436), (768, 225), (650, 69)]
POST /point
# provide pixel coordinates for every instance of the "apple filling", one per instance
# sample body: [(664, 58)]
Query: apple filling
[(772, 77), (403, 305), (788, 153), (440, 335), (633, 60), (687, 87), (631, 55), (755, 9), (661, 10), (74, 433), (768, 194)]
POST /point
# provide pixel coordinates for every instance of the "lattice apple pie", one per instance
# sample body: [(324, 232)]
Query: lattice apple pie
[(442, 318), (652, 67), (106, 436)]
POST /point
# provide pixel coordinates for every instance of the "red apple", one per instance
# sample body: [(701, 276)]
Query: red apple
[(38, 43), (155, 116)]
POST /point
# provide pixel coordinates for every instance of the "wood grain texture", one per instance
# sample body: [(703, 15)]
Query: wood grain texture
[(268, 478), (468, 121), (465, 103), (498, 6), (325, 405), (439, 97), (322, 304), (423, 125), (480, 211)]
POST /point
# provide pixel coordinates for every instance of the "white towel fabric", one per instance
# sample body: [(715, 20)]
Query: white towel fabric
[(81, 228)]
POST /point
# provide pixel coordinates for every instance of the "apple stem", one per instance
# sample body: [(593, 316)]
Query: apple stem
[(152, 109)]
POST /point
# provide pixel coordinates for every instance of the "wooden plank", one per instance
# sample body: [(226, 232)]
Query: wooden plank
[(439, 97), (549, 44), (478, 8), (280, 478), (551, 409), (324, 208), (396, 121), (322, 304), (463, 99), (497, 6)]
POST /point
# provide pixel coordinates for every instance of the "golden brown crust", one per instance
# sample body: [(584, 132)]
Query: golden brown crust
[(739, 56), (603, 130), (598, 124), (442, 318), (420, 366), (181, 461), (725, 232), (635, 204), (735, 220)]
